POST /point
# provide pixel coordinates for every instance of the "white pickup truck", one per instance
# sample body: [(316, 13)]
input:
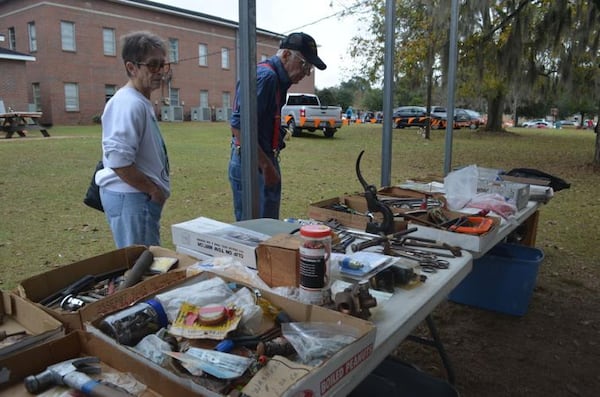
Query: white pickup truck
[(305, 112)]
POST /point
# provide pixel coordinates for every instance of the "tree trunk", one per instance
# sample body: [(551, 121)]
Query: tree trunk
[(495, 111), (596, 161)]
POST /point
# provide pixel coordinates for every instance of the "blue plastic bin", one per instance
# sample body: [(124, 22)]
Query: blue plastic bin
[(502, 280)]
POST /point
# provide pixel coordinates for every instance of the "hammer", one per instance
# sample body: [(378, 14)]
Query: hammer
[(72, 373)]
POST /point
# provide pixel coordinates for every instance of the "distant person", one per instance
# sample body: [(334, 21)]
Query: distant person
[(349, 114), (295, 59), (134, 183)]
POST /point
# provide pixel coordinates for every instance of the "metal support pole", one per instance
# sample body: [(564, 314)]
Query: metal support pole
[(452, 56), (388, 93), (249, 124)]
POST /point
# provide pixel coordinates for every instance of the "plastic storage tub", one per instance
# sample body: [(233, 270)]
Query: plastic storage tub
[(502, 280)]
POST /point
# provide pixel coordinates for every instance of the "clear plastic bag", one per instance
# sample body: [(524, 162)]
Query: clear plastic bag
[(315, 342)]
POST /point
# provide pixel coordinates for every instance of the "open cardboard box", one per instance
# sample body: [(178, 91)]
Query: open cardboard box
[(324, 211), (37, 288), (16, 368), (470, 242), (280, 379), (20, 315)]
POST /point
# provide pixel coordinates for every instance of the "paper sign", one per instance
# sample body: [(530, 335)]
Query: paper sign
[(276, 377)]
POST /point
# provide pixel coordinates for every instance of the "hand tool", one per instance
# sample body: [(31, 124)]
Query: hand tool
[(72, 373), (137, 271), (428, 243), (84, 283), (380, 240), (374, 205)]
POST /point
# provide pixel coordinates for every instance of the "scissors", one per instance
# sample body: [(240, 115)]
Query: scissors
[(429, 265)]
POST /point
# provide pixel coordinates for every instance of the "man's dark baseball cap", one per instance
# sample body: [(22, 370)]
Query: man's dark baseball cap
[(306, 45)]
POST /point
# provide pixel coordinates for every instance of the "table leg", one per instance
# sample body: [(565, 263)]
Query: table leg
[(436, 342)]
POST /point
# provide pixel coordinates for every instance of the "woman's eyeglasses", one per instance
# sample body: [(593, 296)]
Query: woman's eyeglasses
[(155, 67)]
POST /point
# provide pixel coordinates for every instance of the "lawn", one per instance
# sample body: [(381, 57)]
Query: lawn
[(553, 350), (45, 224)]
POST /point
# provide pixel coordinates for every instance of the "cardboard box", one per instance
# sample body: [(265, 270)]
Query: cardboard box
[(79, 344), (469, 242), (20, 315), (352, 217), (515, 193), (216, 238), (278, 260), (41, 286), (323, 380)]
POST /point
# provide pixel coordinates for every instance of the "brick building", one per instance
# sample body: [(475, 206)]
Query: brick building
[(78, 64)]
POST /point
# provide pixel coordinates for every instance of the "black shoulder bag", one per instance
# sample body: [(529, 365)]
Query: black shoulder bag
[(92, 195)]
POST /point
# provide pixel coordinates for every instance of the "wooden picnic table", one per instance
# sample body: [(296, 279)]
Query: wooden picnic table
[(21, 122)]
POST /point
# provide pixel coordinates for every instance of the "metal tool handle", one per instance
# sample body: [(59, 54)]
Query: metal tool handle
[(90, 387), (141, 266)]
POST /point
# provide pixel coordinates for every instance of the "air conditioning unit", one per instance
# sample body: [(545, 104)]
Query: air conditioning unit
[(224, 114), (195, 114), (172, 113)]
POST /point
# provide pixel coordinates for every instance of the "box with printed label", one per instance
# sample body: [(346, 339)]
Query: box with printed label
[(215, 238), (280, 376), (41, 287)]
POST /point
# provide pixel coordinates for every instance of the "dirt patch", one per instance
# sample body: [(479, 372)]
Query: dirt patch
[(553, 350)]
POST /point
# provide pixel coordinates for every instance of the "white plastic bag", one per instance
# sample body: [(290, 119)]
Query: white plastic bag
[(461, 186)]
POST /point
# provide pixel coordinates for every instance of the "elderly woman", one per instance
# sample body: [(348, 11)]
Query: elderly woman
[(134, 183)]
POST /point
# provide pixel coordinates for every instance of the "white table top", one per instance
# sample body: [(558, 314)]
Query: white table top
[(397, 317)]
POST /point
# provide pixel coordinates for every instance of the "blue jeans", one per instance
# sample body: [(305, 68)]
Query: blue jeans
[(269, 196), (132, 217)]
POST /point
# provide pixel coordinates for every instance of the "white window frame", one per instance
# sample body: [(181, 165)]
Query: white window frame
[(173, 50), (225, 58), (202, 54), (71, 97), (109, 90), (109, 41), (174, 96), (67, 36), (12, 38), (32, 36), (204, 98), (226, 99), (36, 94)]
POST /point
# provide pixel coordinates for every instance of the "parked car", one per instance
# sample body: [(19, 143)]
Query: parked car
[(538, 123), (468, 118), (410, 116)]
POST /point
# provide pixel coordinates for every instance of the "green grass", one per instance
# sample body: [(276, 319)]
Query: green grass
[(44, 223)]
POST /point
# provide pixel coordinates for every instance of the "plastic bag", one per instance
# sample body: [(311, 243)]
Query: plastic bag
[(493, 202), (315, 342), (461, 186)]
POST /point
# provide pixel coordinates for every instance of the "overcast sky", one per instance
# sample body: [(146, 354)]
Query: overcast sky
[(319, 18)]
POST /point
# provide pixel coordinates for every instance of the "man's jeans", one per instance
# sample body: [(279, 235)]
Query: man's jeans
[(132, 217), (269, 196)]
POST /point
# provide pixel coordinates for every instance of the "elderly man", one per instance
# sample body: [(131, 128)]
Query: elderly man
[(295, 59)]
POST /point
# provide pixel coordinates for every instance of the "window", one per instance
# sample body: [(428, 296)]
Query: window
[(12, 39), (67, 36), (173, 50), (109, 43), (71, 97), (109, 91), (203, 99), (202, 55), (32, 37), (226, 98), (174, 96), (225, 58), (37, 96), (263, 57)]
